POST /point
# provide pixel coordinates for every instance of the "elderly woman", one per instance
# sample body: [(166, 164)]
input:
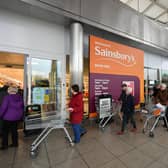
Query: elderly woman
[(162, 95), (11, 111), (128, 111), (162, 98)]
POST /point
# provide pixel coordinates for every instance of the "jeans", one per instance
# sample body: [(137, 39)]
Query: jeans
[(78, 130)]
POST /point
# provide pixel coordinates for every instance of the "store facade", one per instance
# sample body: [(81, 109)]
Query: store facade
[(41, 43), (49, 48)]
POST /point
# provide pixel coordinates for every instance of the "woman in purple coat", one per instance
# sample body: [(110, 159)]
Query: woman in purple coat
[(11, 111)]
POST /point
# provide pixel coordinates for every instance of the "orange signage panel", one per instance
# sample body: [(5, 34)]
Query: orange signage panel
[(111, 58)]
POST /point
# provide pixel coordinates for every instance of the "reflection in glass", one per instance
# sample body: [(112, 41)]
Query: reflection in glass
[(46, 85), (164, 74)]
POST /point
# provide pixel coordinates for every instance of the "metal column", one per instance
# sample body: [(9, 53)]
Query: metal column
[(76, 57)]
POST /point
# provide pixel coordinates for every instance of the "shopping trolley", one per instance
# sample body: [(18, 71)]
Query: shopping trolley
[(48, 123), (155, 114), (107, 110)]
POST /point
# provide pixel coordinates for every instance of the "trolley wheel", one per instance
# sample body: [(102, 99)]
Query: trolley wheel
[(143, 131), (72, 144), (151, 134), (33, 154)]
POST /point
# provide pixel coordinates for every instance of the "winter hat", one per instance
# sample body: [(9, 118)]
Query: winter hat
[(12, 90)]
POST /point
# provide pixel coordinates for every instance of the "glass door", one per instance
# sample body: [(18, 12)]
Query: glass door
[(45, 85), (151, 78)]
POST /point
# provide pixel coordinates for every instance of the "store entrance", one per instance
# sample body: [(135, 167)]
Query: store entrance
[(151, 78), (12, 72), (11, 69)]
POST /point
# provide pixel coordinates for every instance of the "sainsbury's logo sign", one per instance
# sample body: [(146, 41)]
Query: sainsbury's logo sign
[(107, 54)]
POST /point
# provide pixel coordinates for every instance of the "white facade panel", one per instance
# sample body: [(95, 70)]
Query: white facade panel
[(164, 64), (153, 61), (29, 35)]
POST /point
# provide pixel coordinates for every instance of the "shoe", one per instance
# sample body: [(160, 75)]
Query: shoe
[(3, 148), (133, 130), (83, 133), (120, 133), (13, 145)]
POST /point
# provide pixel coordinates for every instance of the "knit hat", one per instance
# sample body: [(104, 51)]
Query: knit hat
[(12, 90)]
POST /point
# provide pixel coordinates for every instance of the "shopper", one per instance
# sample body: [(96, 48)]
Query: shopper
[(156, 90), (3, 93), (122, 97), (162, 98), (162, 95), (128, 111), (11, 111), (76, 112)]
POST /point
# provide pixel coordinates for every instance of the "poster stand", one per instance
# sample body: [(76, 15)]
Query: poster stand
[(105, 110)]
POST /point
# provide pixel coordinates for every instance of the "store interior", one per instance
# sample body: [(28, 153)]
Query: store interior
[(11, 69)]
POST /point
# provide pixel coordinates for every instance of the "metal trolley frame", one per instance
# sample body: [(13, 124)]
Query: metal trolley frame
[(115, 109), (157, 115), (54, 124), (107, 111), (51, 121)]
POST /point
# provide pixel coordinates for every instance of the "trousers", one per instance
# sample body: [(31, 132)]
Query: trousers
[(78, 130), (9, 126), (126, 118)]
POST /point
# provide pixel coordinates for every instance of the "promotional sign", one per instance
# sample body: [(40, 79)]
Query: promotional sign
[(105, 107), (131, 85), (38, 95), (112, 63)]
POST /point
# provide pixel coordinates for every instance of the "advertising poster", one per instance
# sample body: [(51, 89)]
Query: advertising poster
[(105, 107), (38, 95), (131, 85), (112, 63)]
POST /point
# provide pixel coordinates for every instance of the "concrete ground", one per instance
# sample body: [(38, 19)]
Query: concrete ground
[(97, 149)]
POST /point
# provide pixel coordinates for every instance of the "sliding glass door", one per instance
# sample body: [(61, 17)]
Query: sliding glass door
[(45, 85)]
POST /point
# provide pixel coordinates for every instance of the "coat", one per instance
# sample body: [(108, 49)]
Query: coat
[(12, 108), (122, 98), (162, 97), (128, 105), (3, 93), (76, 103)]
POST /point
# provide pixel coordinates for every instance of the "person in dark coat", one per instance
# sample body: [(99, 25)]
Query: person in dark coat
[(123, 95), (3, 93), (162, 98), (128, 111), (76, 113), (156, 90), (11, 111)]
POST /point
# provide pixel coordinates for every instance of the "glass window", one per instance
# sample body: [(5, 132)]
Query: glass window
[(46, 85), (164, 75)]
